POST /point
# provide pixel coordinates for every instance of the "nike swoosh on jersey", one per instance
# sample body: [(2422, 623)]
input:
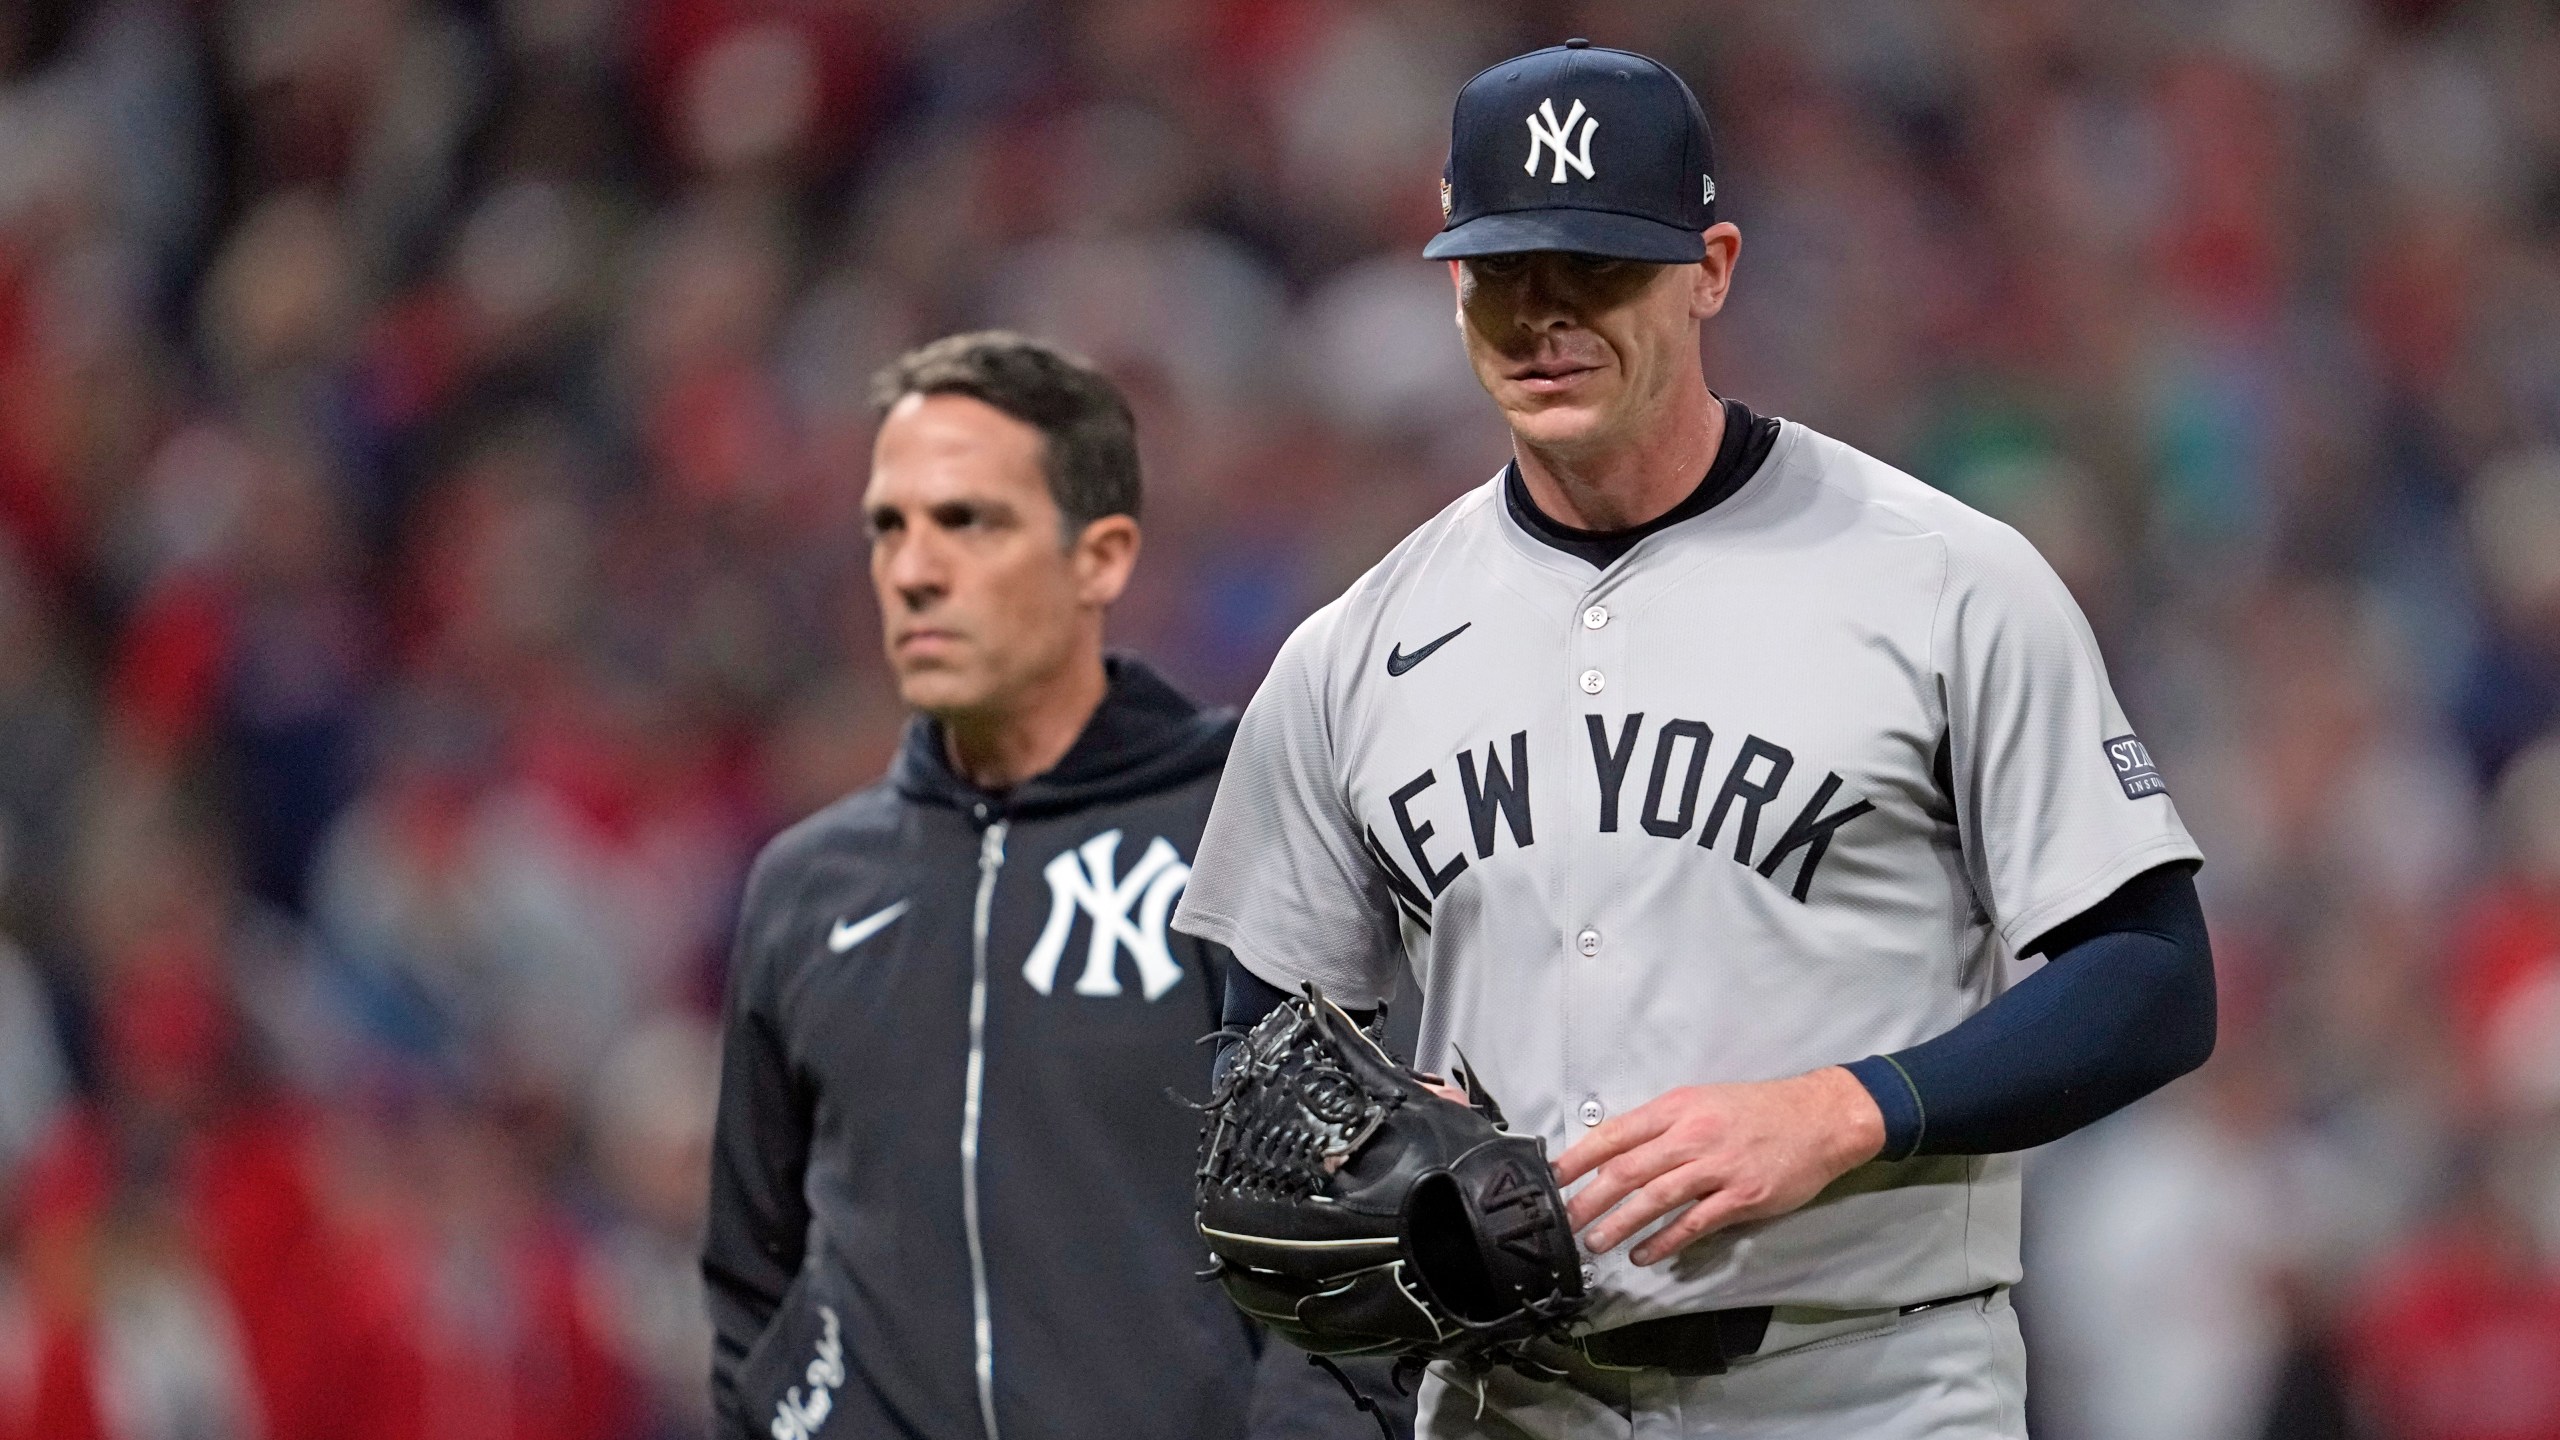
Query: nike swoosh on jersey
[(1398, 662), (849, 933)]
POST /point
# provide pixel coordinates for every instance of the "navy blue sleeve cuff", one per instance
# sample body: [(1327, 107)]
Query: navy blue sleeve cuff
[(2124, 1004), (1905, 1121), (1249, 997)]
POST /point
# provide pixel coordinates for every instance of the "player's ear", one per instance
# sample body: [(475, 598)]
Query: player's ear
[(1103, 557), (1714, 273)]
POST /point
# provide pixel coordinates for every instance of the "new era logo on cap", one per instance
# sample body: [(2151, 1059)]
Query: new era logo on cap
[(1617, 160)]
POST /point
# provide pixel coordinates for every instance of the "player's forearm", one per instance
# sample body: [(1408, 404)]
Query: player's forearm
[(744, 1284), (2122, 1009), (751, 1253), (757, 1221), (1248, 998), (739, 1313)]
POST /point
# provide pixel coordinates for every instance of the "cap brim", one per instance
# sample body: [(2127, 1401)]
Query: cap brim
[(1587, 232)]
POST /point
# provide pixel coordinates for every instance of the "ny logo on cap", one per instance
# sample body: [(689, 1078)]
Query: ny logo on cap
[(1552, 136)]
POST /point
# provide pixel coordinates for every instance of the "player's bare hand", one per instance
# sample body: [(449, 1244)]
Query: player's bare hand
[(1727, 1153), (1439, 1085)]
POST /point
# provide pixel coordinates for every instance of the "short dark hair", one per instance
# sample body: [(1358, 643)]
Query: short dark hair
[(1092, 451)]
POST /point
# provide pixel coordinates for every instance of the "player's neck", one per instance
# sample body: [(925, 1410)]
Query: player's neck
[(1619, 487), (1000, 747)]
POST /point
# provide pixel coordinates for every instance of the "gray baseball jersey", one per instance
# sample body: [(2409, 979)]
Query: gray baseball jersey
[(1782, 787)]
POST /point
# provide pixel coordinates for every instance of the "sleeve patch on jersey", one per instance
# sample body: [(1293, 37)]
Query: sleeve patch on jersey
[(2133, 767)]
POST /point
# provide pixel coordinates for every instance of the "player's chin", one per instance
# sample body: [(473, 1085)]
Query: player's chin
[(1557, 421), (938, 687)]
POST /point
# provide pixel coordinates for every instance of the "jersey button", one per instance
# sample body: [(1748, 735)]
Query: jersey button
[(1590, 1274), (1591, 1111), (1588, 942), (1595, 617), (1592, 680)]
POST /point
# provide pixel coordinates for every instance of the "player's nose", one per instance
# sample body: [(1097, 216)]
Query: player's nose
[(916, 570), (1546, 300), (922, 587)]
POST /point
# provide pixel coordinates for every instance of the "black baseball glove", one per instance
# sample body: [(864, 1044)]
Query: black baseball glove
[(1354, 1212)]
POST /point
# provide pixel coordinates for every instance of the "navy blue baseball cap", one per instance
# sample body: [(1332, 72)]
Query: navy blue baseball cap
[(1576, 147)]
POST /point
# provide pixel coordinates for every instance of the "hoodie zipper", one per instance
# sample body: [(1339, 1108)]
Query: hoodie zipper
[(990, 861)]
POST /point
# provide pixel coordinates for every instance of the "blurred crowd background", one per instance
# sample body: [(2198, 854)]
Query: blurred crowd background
[(430, 438)]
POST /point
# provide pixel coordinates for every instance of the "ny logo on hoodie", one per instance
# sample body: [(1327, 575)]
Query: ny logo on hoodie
[(1083, 879)]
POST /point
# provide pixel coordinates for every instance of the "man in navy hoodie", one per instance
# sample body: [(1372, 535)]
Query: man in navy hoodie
[(950, 1196)]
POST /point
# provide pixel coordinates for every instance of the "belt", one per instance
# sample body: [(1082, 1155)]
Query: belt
[(1707, 1341)]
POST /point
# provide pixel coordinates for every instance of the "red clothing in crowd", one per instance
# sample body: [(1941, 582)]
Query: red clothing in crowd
[(251, 1223), (2506, 951), (2461, 1341), (517, 1358), (339, 1334)]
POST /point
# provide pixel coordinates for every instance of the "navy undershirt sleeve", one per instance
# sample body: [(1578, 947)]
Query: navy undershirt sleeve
[(1250, 997), (2123, 1006)]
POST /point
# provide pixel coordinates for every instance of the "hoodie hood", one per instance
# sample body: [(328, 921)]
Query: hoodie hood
[(1144, 737)]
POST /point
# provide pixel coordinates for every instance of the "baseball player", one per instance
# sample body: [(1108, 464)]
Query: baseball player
[(1710, 775), (950, 1198)]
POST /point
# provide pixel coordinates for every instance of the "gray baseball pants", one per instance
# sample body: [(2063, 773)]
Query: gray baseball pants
[(1954, 1372)]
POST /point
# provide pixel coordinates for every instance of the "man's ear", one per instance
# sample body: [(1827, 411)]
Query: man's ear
[(1715, 269), (1103, 557)]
